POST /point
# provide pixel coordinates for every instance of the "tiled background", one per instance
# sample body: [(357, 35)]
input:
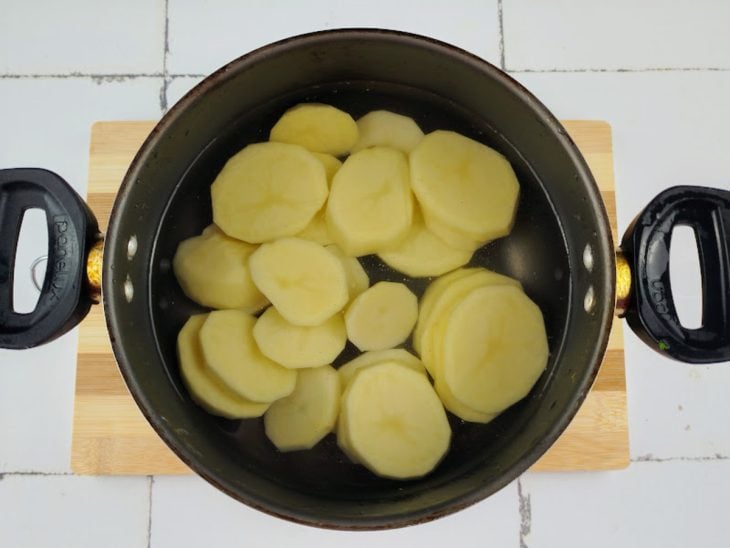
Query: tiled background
[(658, 72)]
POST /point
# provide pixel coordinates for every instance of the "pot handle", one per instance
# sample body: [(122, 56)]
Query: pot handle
[(72, 229), (650, 311)]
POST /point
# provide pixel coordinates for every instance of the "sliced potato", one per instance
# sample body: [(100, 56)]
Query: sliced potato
[(316, 127), (385, 128), (494, 348), (330, 163), (212, 270), (381, 317), (317, 229), (296, 346), (308, 414), (462, 411), (423, 254), (204, 388), (464, 185), (230, 351), (267, 191), (370, 207), (305, 282), (453, 237), (357, 279), (347, 371), (394, 421)]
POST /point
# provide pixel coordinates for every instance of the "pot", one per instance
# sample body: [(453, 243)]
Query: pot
[(560, 249)]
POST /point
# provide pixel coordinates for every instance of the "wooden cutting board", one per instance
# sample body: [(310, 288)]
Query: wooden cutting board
[(110, 435)]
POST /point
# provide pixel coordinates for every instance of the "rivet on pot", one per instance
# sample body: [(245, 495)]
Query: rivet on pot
[(588, 257), (128, 290), (590, 300), (131, 247)]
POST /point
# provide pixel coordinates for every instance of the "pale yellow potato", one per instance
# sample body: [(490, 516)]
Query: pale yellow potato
[(463, 185), (464, 412), (316, 127), (494, 348), (453, 237), (317, 229), (207, 391), (357, 279), (306, 283), (330, 163), (348, 370), (268, 191), (212, 270), (385, 128), (296, 346), (370, 206), (308, 414), (394, 423), (381, 317), (233, 357), (422, 253)]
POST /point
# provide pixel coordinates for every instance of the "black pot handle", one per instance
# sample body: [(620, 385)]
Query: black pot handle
[(646, 245), (72, 229)]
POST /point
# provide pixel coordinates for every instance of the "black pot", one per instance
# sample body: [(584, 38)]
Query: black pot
[(560, 249)]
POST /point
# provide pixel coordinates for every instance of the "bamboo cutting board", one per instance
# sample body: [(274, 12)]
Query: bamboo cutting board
[(110, 435)]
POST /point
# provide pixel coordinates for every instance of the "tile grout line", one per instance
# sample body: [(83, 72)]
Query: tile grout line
[(101, 75), (619, 70), (500, 16), (165, 51), (3, 475), (525, 509), (651, 458), (149, 511)]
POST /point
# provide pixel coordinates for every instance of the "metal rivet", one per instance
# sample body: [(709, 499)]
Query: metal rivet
[(589, 302), (35, 272), (588, 257), (128, 290), (131, 247)]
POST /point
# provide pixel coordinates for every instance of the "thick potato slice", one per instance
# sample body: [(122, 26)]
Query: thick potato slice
[(357, 279), (385, 128), (212, 270), (464, 412), (381, 317), (347, 371), (330, 163), (463, 185), (423, 254), (267, 191), (394, 422), (454, 237), (317, 229), (494, 348), (370, 207), (303, 418), (230, 351), (316, 127), (206, 390), (296, 346), (306, 283)]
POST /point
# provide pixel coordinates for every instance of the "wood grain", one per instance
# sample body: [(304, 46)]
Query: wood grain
[(110, 435)]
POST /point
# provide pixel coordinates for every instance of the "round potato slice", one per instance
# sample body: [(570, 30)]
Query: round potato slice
[(494, 348), (357, 279), (370, 207), (306, 283), (296, 346), (464, 412), (317, 229), (316, 127), (206, 390), (302, 419), (347, 371), (394, 422), (267, 191), (464, 185), (230, 351), (381, 317), (212, 270), (330, 163), (385, 128)]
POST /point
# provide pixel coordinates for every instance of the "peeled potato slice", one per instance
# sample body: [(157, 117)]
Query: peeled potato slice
[(316, 127), (463, 185), (394, 422), (370, 207), (305, 282), (206, 390), (267, 191), (385, 128), (347, 371), (308, 414), (357, 279), (212, 270), (422, 253), (381, 317), (230, 351), (462, 411), (317, 229), (494, 348), (296, 346), (330, 163)]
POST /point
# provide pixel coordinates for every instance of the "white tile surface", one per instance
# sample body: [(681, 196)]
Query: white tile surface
[(206, 35), (570, 34), (668, 129), (672, 505), (73, 512), (187, 512), (81, 36), (45, 123)]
